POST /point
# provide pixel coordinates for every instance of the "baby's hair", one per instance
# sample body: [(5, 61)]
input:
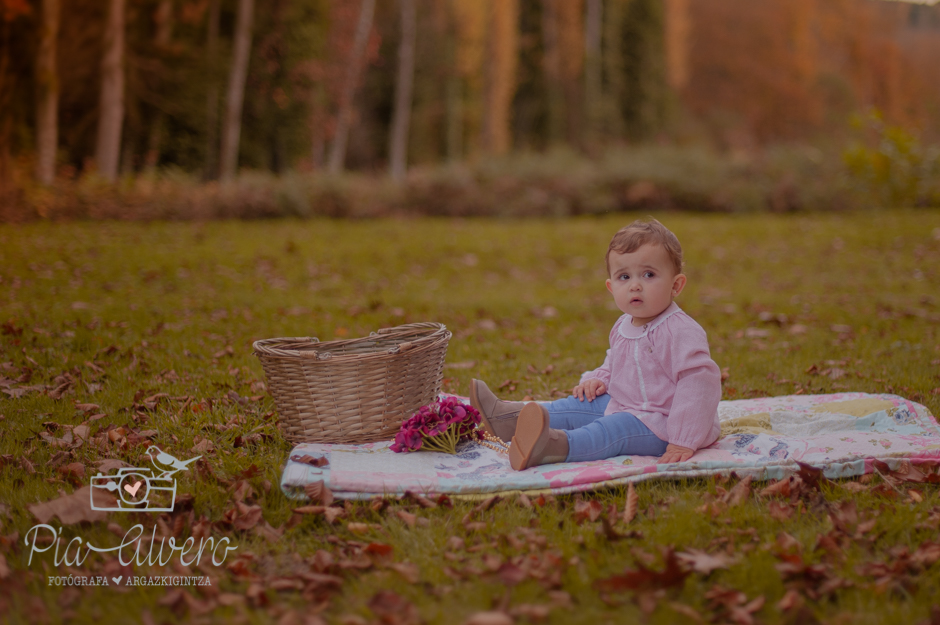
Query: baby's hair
[(631, 238)]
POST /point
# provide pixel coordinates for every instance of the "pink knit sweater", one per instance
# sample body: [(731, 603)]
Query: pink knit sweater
[(663, 374)]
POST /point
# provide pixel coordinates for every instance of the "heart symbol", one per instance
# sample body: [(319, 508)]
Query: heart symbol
[(133, 489), (117, 580)]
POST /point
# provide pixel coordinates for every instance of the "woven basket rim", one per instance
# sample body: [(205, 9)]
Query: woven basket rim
[(413, 336)]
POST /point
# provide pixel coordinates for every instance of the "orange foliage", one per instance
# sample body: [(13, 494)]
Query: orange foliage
[(12, 9), (786, 69)]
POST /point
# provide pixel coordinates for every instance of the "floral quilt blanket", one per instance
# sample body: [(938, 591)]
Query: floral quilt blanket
[(842, 434)]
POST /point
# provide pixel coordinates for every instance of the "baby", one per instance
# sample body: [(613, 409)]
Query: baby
[(657, 392)]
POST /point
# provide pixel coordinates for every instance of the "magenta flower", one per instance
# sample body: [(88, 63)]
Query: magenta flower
[(439, 426)]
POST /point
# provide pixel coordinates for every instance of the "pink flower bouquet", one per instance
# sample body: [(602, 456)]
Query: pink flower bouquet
[(439, 426)]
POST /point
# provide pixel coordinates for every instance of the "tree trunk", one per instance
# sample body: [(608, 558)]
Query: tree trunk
[(500, 75), (164, 33), (398, 138), (552, 68), (592, 71), (677, 42), (111, 108), (47, 81), (338, 148), (232, 123), (212, 92)]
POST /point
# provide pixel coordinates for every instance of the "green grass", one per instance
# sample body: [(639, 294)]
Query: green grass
[(173, 297)]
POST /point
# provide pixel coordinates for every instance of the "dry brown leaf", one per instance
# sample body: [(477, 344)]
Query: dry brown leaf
[(407, 517), (358, 528), (318, 492), (587, 511), (489, 618), (392, 608), (75, 508), (320, 461), (686, 611), (409, 571), (510, 574), (705, 563), (779, 488), (533, 612), (779, 511), (740, 493), (248, 516), (73, 469), (105, 466), (630, 507)]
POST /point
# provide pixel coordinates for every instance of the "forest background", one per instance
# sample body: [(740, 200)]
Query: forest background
[(186, 109)]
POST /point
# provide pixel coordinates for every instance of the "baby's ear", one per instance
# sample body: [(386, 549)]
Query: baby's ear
[(678, 283)]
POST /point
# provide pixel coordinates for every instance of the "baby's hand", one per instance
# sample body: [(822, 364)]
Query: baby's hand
[(676, 453), (589, 389)]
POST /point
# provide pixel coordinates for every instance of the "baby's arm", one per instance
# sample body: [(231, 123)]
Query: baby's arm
[(676, 453), (590, 389), (693, 416), (594, 383)]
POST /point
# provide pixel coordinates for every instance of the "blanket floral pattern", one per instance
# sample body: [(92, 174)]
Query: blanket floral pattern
[(842, 434)]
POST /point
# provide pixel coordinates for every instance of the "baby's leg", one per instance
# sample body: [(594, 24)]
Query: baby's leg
[(618, 434), (571, 413)]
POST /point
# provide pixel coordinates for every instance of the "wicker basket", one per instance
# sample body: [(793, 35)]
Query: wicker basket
[(354, 390)]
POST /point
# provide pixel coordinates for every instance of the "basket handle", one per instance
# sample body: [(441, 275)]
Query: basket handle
[(401, 348)]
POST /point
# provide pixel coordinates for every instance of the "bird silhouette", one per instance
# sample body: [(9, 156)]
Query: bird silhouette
[(163, 461)]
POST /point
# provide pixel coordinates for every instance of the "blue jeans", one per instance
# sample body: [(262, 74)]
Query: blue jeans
[(594, 436)]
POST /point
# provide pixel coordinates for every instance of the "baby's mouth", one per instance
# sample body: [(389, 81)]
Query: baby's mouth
[(636, 300)]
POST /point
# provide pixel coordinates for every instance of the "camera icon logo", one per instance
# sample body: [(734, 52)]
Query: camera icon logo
[(142, 488)]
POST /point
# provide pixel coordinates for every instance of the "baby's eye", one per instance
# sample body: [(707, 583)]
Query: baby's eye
[(648, 274), (624, 276)]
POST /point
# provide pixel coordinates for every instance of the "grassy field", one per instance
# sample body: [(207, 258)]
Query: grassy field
[(114, 315)]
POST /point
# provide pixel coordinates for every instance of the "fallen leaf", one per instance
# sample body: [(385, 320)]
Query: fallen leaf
[(423, 501), (110, 464), (686, 611), (393, 609), (489, 618), (75, 508), (779, 511), (630, 507), (248, 516), (510, 574), (533, 612), (409, 571), (587, 511), (705, 563), (318, 493), (407, 517), (642, 578), (320, 461), (358, 528), (73, 469), (740, 493)]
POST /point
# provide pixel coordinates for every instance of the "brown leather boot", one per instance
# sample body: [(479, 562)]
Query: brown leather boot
[(535, 442), (498, 416)]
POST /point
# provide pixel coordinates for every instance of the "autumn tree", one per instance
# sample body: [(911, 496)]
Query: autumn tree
[(350, 81), (111, 101), (499, 75), (398, 138), (47, 97), (234, 98)]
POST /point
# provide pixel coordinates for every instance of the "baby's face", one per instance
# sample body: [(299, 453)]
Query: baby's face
[(644, 282)]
